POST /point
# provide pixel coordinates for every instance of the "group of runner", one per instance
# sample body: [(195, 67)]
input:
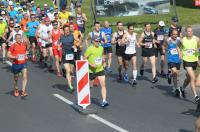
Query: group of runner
[(26, 30)]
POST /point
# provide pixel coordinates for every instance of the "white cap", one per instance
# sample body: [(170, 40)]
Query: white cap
[(32, 2), (161, 23), (3, 12), (10, 3), (45, 5), (1, 18), (17, 25)]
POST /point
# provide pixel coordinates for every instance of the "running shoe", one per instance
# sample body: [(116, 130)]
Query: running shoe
[(71, 88), (126, 77), (197, 99), (182, 92), (134, 82), (163, 74), (119, 77), (24, 94), (177, 93), (59, 74), (34, 58), (155, 79), (141, 72), (109, 70), (104, 104), (16, 92), (169, 78)]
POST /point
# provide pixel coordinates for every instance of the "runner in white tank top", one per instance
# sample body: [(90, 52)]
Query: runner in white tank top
[(130, 39)]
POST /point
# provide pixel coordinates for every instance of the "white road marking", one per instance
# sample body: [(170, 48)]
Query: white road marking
[(93, 115), (9, 63)]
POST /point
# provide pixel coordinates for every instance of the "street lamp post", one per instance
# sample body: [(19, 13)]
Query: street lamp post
[(174, 8)]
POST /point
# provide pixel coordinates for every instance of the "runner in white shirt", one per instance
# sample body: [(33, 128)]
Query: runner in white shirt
[(130, 39), (17, 30), (45, 38)]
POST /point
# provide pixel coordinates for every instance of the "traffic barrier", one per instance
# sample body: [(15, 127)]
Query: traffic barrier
[(83, 87)]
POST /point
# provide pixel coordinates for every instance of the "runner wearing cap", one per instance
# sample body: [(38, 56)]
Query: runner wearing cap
[(147, 43), (107, 46), (175, 26), (67, 41), (50, 14), (190, 52), (3, 26), (94, 55), (17, 30), (56, 45), (33, 7), (44, 31), (174, 59), (159, 37), (19, 16), (130, 39), (31, 28), (120, 48), (4, 16), (64, 16), (17, 53), (96, 32)]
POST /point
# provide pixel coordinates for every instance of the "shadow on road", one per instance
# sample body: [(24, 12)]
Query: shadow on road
[(191, 112), (62, 87), (183, 130)]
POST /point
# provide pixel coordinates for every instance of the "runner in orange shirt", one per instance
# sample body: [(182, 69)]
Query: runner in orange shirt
[(17, 53)]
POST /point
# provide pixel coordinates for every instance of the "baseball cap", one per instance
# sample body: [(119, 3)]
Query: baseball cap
[(32, 2), (96, 39), (3, 12), (161, 23), (17, 25), (45, 5), (174, 19), (71, 18), (10, 3), (1, 18)]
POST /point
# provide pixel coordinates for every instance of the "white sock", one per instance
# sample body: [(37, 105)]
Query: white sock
[(104, 100), (134, 74)]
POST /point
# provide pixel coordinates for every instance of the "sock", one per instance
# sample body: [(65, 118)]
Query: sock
[(134, 74), (104, 100)]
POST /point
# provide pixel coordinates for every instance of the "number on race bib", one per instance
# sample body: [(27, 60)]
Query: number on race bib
[(98, 61), (148, 44), (174, 51), (160, 37), (69, 56), (20, 57), (190, 52)]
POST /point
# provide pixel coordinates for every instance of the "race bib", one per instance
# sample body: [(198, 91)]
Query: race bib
[(69, 56), (190, 52), (20, 57), (174, 51), (160, 37), (98, 61), (148, 44)]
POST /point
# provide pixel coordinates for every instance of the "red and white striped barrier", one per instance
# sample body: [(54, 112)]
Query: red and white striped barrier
[(83, 87)]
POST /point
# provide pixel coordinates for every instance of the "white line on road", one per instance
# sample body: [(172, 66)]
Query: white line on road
[(93, 115), (9, 63)]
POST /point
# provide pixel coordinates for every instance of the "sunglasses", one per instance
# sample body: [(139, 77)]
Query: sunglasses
[(55, 24), (17, 27), (11, 23)]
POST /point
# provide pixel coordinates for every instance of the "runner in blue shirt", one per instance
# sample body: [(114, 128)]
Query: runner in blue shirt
[(174, 59), (32, 28), (107, 46)]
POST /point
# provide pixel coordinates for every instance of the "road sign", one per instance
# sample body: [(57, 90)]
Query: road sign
[(83, 87)]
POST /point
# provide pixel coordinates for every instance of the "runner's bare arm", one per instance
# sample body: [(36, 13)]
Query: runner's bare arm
[(87, 39), (113, 41), (141, 40), (104, 38), (9, 55), (124, 39), (84, 17)]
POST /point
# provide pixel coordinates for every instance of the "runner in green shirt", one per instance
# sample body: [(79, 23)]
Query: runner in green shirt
[(94, 55)]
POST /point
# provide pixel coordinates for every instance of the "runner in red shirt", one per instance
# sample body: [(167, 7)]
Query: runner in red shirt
[(17, 53), (71, 22), (56, 46)]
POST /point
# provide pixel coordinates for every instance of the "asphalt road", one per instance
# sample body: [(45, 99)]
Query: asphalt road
[(145, 108)]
